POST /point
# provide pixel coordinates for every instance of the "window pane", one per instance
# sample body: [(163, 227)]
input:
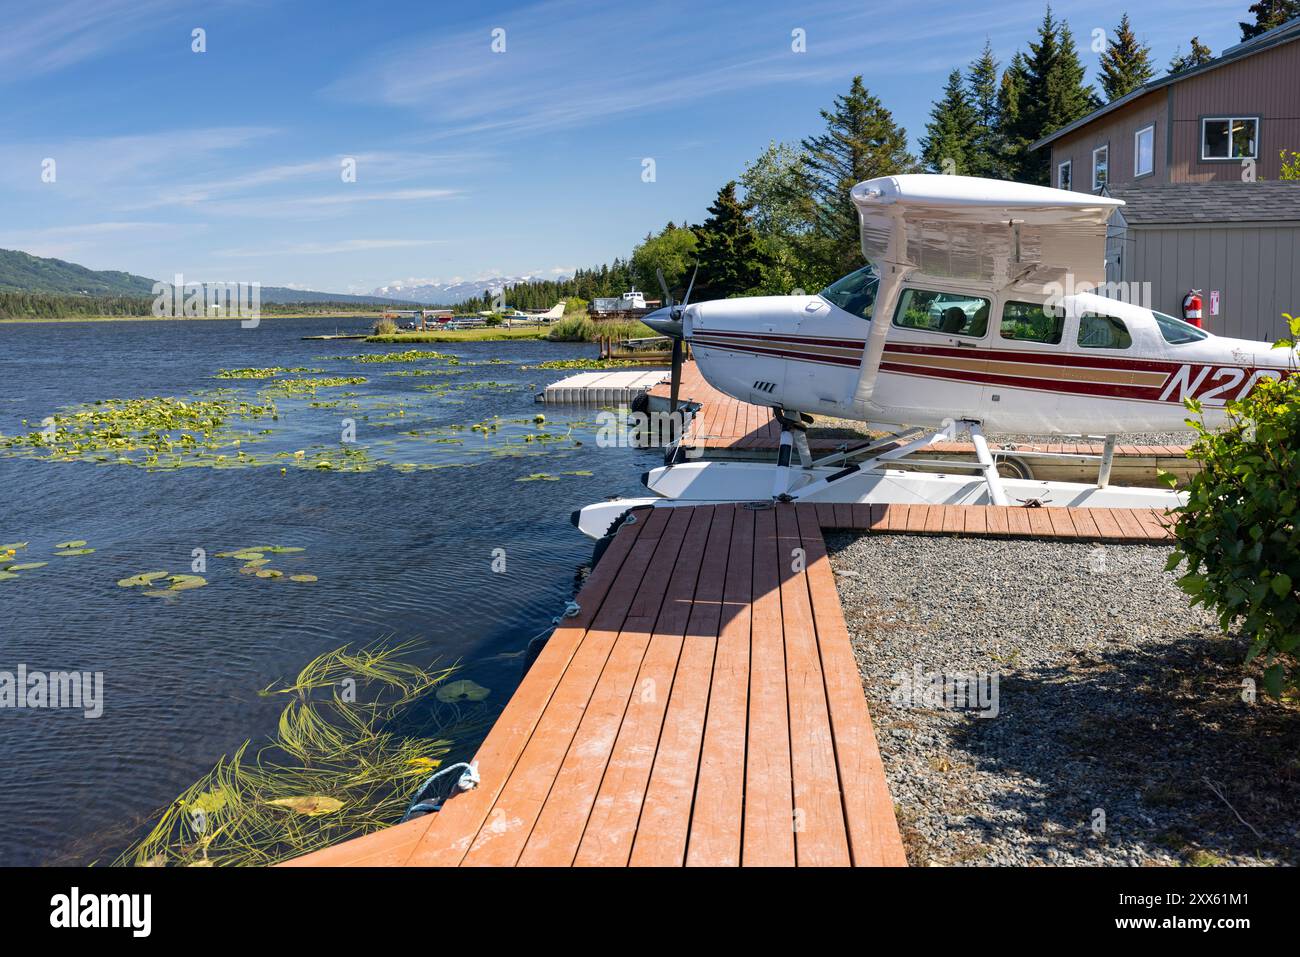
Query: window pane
[(1215, 134), (947, 312), (1100, 167), (1030, 322), (855, 293), (1243, 138), (1145, 151), (1064, 177), (1103, 332), (1176, 332)]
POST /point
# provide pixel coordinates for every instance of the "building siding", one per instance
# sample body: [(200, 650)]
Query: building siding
[(1266, 84), (1252, 267)]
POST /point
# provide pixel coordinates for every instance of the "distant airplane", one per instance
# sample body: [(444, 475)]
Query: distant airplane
[(550, 315)]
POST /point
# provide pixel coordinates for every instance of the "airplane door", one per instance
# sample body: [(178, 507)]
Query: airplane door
[(1026, 370)]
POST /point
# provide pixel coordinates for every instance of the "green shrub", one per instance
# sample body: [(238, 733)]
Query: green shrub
[(1239, 533), (385, 327)]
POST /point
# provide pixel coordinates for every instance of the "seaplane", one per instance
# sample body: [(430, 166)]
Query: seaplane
[(555, 313), (978, 312)]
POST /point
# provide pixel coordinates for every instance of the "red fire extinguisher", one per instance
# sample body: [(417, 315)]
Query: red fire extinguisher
[(1192, 308)]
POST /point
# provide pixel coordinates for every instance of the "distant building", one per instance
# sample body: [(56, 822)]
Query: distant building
[(1195, 156)]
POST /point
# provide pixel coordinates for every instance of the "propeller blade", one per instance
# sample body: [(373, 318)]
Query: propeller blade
[(668, 296), (694, 273)]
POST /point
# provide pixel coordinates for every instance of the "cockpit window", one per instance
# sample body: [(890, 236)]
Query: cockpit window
[(855, 293), (1177, 332), (1103, 332), (946, 312)]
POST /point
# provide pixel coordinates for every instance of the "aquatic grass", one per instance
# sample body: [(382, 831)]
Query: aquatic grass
[(288, 388), (150, 431), (267, 373), (338, 766), (410, 355)]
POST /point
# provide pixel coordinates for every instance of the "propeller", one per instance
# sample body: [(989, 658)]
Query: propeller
[(668, 322)]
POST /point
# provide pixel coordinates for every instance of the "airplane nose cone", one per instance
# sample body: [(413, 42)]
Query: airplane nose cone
[(664, 322)]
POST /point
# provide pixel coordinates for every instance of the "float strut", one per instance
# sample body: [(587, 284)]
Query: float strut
[(1107, 459), (996, 493)]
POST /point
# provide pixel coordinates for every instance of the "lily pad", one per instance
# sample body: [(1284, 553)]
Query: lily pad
[(312, 806), (75, 551), (209, 802), (303, 578), (12, 546), (74, 543), (247, 555), (25, 566), (269, 573), (186, 582), (463, 690), (142, 579), (283, 549), (7, 576)]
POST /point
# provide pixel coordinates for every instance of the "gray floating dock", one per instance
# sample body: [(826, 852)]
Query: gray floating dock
[(602, 388)]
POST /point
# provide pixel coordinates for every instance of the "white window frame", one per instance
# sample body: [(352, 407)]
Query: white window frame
[(1230, 120), (1068, 167), (1137, 150), (1096, 186)]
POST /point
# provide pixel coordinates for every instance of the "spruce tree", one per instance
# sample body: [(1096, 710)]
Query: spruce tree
[(729, 260), (986, 147), (1200, 54), (1269, 14), (946, 147), (1011, 139), (1126, 64), (861, 142), (1054, 94)]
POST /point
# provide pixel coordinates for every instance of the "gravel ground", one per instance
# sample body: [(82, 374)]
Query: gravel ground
[(1128, 438), (1112, 695), (828, 427)]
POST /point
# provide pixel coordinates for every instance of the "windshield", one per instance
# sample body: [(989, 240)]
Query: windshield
[(1177, 332), (855, 293)]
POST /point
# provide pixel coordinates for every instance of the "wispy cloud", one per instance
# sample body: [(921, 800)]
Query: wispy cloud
[(325, 249), (60, 33)]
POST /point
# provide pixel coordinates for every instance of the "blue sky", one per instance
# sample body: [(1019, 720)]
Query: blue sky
[(226, 164)]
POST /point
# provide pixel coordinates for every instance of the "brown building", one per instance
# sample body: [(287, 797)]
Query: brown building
[(1226, 120), (1195, 157)]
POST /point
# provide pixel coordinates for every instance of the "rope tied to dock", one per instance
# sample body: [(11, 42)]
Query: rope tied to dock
[(422, 805)]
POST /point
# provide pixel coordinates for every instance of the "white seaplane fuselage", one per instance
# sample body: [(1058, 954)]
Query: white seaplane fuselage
[(803, 353)]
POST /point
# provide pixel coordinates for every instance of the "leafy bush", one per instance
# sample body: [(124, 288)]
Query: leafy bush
[(1239, 533), (385, 327)]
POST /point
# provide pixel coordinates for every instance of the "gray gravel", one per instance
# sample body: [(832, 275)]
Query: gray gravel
[(1112, 695), (1129, 438)]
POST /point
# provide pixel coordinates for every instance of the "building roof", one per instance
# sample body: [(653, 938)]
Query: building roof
[(1276, 37), (1215, 202)]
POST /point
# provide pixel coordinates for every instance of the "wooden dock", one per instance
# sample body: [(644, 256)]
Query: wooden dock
[(703, 708)]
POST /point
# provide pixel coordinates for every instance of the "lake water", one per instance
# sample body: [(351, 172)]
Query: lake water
[(402, 548)]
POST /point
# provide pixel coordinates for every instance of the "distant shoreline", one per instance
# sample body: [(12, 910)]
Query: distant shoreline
[(151, 318)]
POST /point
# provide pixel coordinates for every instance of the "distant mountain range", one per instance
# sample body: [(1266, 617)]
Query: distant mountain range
[(23, 272), (451, 293)]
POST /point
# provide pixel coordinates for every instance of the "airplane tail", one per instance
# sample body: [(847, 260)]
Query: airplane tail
[(555, 312)]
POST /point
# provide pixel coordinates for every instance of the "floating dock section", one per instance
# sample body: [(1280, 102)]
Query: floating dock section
[(615, 387)]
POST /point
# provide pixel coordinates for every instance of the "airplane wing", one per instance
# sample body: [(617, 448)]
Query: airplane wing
[(990, 233)]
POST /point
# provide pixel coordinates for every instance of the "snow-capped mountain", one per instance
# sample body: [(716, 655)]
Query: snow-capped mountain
[(450, 292)]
